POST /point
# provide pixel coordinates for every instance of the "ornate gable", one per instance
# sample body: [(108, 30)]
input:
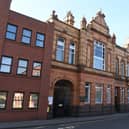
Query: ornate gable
[(98, 23), (100, 19)]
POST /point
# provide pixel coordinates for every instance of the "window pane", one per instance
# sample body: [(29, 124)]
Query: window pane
[(10, 35), (3, 98), (99, 94), (61, 40), (39, 43), (40, 37), (72, 53), (122, 69), (27, 33), (6, 63), (33, 102), (60, 55), (60, 50), (122, 95), (6, 60), (127, 70), (22, 67), (11, 32), (26, 36), (23, 63), (36, 73), (26, 40), (87, 93), (71, 58), (37, 65), (99, 58), (18, 100), (11, 28), (22, 71), (40, 40), (108, 95), (36, 69), (98, 63), (98, 51), (5, 68)]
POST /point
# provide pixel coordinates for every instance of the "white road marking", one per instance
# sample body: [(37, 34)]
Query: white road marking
[(69, 127), (41, 127)]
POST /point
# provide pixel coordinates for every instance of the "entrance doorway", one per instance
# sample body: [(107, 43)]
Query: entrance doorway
[(62, 98), (117, 99)]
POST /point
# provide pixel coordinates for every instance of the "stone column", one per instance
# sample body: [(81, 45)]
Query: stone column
[(82, 49)]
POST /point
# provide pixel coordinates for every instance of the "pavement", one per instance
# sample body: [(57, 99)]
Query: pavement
[(58, 121)]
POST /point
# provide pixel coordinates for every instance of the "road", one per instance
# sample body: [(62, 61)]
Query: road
[(116, 123)]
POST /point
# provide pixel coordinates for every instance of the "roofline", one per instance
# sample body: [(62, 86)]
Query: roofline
[(122, 48), (28, 16)]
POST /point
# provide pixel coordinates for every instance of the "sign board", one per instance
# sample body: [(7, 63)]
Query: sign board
[(50, 100)]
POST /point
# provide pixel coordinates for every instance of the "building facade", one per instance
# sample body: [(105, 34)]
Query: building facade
[(25, 57), (53, 69), (89, 74)]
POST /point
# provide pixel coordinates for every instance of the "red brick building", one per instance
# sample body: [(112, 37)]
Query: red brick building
[(25, 54), (89, 74)]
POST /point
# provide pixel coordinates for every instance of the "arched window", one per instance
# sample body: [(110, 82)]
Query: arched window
[(71, 53)]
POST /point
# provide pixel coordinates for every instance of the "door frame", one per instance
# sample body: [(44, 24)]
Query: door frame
[(64, 106), (117, 99)]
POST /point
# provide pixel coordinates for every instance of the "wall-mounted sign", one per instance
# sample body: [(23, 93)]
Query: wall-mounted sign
[(50, 100)]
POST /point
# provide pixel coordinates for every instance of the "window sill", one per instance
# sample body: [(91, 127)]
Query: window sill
[(10, 39)]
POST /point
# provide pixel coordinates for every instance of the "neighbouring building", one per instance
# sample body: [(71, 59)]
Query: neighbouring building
[(25, 57), (90, 72), (53, 69)]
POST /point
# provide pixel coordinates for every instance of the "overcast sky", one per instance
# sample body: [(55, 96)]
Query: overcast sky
[(116, 11)]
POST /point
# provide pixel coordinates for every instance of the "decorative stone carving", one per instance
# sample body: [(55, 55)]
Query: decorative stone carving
[(113, 38), (83, 23), (70, 18), (54, 15), (99, 13), (98, 23)]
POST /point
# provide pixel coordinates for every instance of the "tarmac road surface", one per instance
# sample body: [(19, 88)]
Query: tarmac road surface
[(115, 123)]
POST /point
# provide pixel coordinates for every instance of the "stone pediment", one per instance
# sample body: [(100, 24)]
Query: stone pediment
[(98, 23)]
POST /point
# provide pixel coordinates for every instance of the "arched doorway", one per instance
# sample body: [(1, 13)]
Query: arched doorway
[(62, 98)]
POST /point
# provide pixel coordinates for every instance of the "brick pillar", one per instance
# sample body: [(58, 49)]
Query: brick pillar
[(82, 92), (92, 95), (4, 6)]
